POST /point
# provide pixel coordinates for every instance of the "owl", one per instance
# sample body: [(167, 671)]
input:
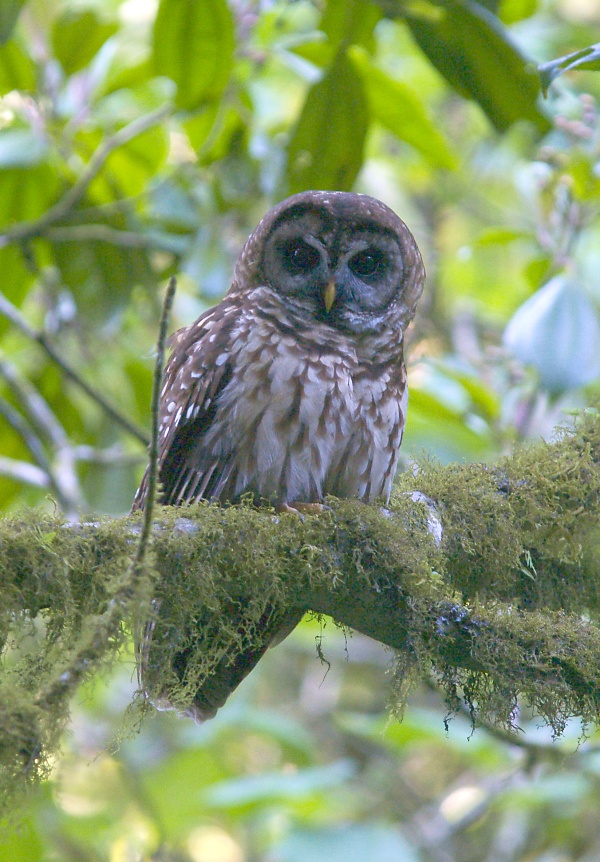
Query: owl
[(294, 386)]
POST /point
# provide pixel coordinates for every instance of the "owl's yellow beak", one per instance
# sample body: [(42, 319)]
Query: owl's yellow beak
[(329, 295)]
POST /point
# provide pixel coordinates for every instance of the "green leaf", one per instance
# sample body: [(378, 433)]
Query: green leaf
[(326, 150), (100, 274), (442, 430), (9, 14), (350, 22), (258, 789), (77, 36), (502, 236), (397, 108), (317, 51), (353, 843), (586, 58), (199, 125), (473, 51), (128, 168), (138, 161), (557, 331), (193, 45), (445, 374), (26, 192), (172, 787), (23, 843), (511, 11), (17, 70), (20, 148), (212, 130), (586, 183), (17, 279)]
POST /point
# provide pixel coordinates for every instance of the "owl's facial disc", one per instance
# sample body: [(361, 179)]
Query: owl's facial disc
[(345, 271)]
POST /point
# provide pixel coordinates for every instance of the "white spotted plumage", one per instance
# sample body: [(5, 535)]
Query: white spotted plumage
[(291, 389)]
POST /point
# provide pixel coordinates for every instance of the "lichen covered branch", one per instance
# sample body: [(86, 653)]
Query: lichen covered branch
[(503, 606)]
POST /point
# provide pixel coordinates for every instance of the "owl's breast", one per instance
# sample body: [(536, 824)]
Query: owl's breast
[(306, 422)]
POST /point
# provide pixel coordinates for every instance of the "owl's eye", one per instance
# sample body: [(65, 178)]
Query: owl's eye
[(299, 257), (367, 263)]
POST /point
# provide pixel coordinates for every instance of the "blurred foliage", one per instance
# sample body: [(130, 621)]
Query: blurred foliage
[(140, 140)]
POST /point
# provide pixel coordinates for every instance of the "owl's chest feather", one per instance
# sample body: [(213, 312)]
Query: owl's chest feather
[(305, 422)]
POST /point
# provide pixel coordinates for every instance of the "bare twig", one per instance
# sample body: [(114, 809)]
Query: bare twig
[(107, 626), (25, 472), (433, 830), (111, 455), (14, 315), (41, 423), (99, 233), (153, 452), (26, 230), (126, 238), (26, 432), (33, 405)]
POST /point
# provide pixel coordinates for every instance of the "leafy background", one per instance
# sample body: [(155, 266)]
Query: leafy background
[(140, 140)]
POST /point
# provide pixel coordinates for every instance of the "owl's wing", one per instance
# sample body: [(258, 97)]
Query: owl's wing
[(197, 372)]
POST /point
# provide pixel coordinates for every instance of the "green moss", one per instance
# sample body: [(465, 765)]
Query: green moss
[(61, 621), (495, 611)]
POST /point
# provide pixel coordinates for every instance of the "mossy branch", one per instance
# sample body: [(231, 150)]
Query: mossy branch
[(503, 605)]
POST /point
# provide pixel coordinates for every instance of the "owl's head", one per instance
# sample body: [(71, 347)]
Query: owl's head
[(340, 258)]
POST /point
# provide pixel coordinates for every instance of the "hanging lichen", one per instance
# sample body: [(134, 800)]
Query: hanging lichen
[(503, 606)]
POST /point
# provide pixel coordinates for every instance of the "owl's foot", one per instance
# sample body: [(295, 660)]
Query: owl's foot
[(304, 508)]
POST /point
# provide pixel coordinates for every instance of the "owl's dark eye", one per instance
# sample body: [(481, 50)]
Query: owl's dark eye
[(369, 262), (299, 257)]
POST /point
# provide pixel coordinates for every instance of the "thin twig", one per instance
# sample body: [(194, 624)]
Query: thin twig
[(14, 315), (136, 567), (108, 626), (61, 468), (31, 439), (33, 405), (60, 210), (435, 832), (153, 451), (99, 233), (23, 471), (175, 243), (113, 455)]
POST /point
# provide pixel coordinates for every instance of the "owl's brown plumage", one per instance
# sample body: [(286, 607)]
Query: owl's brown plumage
[(294, 385)]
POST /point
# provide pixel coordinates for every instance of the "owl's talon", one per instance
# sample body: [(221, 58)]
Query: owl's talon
[(301, 509), (289, 510)]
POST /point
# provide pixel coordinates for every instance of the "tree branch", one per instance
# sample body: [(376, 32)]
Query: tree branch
[(41, 423), (61, 210), (502, 606), (34, 406), (14, 315), (155, 410), (23, 471), (33, 710), (27, 434), (152, 239)]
